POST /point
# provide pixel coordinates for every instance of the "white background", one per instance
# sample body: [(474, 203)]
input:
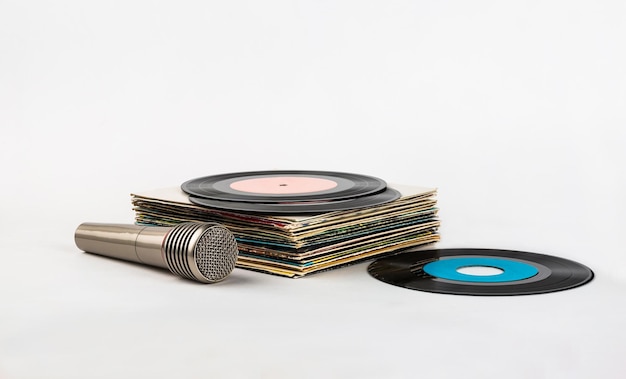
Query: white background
[(515, 110)]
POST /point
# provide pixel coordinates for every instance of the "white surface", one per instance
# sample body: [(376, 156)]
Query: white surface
[(514, 110)]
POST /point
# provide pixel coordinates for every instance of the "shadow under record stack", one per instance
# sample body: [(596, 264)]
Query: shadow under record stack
[(298, 237)]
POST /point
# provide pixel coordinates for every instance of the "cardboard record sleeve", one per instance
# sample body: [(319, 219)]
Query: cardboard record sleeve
[(297, 245)]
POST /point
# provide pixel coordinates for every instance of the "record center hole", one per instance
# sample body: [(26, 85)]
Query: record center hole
[(479, 270)]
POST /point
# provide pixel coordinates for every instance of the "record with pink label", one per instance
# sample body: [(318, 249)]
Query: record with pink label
[(289, 192), (284, 186)]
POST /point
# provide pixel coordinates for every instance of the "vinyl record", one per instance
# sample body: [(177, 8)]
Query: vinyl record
[(441, 271), (307, 207), (283, 186)]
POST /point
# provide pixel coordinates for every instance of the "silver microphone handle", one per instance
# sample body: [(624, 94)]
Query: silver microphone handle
[(141, 244)]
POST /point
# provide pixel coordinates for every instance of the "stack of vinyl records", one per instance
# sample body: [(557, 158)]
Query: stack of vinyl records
[(293, 223)]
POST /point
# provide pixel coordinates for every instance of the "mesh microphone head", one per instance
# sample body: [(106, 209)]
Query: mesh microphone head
[(204, 252)]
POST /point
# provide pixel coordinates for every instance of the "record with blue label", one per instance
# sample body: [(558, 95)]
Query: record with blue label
[(484, 272)]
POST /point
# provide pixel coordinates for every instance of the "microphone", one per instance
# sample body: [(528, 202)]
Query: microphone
[(204, 252)]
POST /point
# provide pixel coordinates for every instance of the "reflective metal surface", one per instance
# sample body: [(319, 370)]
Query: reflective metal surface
[(205, 252)]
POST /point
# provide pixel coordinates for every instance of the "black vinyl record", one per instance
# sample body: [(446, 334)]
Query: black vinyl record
[(522, 273), (283, 186), (307, 207)]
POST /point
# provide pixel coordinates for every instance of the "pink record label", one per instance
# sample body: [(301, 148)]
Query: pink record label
[(281, 185)]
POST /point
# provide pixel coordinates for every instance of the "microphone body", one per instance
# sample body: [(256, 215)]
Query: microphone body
[(204, 252)]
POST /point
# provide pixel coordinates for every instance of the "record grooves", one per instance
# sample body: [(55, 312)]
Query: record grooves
[(266, 186), (300, 208), (523, 273), (288, 192)]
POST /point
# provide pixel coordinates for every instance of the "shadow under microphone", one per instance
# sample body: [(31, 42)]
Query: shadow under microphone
[(204, 252)]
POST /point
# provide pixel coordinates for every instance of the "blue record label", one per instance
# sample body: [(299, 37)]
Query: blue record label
[(511, 270)]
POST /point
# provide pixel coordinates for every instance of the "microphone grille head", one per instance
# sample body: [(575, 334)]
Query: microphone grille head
[(205, 252), (216, 253)]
